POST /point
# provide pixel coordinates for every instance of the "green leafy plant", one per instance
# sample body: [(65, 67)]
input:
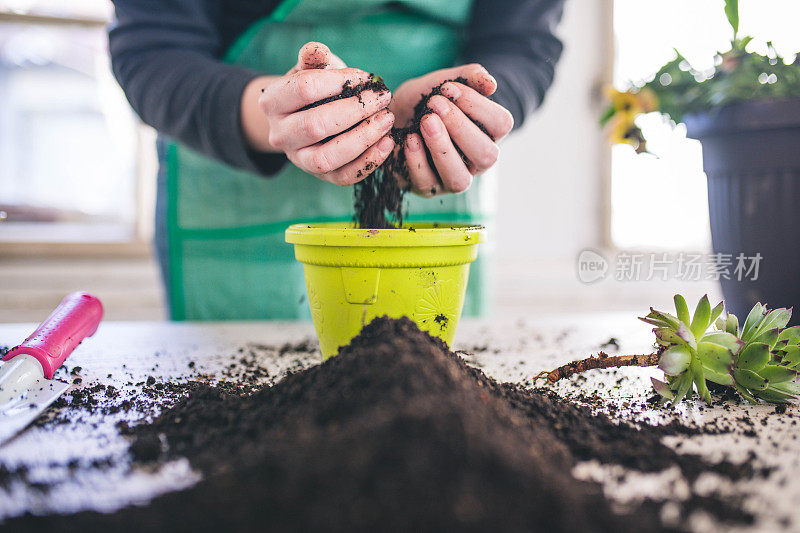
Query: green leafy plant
[(739, 75), (769, 360), (760, 360), (691, 354), (732, 13), (678, 89)]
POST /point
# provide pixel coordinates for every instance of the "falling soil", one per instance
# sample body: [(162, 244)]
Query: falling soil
[(378, 199), (396, 433), (379, 196), (380, 193)]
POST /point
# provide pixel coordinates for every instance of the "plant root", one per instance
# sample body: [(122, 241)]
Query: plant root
[(602, 360)]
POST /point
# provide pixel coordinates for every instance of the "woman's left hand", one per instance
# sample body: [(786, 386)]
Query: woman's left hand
[(462, 116)]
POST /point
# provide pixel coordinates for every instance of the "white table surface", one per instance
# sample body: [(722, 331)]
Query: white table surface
[(516, 350)]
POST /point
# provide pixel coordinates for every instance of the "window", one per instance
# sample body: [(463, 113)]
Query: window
[(71, 156)]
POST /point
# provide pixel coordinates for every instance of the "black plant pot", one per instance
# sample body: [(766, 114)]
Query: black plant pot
[(751, 155)]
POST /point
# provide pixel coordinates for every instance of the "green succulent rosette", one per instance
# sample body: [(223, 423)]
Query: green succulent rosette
[(760, 360)]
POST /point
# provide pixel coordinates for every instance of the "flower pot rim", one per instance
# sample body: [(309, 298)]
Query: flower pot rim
[(747, 115), (415, 234)]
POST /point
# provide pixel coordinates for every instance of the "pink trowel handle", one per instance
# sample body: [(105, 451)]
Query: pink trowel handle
[(76, 317)]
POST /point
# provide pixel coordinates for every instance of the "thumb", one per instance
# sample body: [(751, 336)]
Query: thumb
[(479, 79), (314, 55)]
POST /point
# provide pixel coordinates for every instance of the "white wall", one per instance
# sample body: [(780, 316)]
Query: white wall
[(551, 172)]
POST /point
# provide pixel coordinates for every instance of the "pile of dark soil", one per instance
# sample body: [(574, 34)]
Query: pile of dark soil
[(396, 433)]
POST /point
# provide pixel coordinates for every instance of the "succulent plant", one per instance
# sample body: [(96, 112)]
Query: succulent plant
[(690, 353), (760, 361), (768, 362)]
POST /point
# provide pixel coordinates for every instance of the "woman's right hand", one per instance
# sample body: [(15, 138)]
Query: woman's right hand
[(341, 141)]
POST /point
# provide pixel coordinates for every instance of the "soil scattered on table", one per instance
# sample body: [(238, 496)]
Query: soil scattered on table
[(611, 344), (396, 432)]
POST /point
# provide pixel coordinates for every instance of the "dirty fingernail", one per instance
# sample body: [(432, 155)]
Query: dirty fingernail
[(413, 144), (386, 118), (451, 90), (431, 125), (386, 144), (439, 107)]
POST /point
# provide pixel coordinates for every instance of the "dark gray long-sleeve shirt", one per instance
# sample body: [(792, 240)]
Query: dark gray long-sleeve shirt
[(173, 47)]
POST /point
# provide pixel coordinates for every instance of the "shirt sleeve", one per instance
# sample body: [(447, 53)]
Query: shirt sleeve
[(515, 41), (164, 54)]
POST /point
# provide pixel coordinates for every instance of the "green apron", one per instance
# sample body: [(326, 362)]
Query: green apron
[(226, 255)]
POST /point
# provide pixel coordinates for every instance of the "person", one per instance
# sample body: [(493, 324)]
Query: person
[(241, 157)]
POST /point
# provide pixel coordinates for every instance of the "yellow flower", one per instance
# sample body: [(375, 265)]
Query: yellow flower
[(621, 130), (624, 102), (648, 100), (621, 115), (643, 100)]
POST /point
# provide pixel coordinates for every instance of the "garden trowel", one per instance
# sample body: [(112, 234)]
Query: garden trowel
[(27, 386)]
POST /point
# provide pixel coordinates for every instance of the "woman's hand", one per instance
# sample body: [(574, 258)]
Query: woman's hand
[(458, 114), (340, 141)]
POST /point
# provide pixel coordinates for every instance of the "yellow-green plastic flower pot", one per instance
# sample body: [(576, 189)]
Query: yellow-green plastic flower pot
[(354, 275)]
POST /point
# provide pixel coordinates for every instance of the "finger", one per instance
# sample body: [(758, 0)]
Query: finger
[(496, 119), (451, 168), (475, 75), (476, 145), (363, 165), (336, 62), (325, 158), (422, 177), (311, 126), (479, 79), (314, 55), (306, 87)]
